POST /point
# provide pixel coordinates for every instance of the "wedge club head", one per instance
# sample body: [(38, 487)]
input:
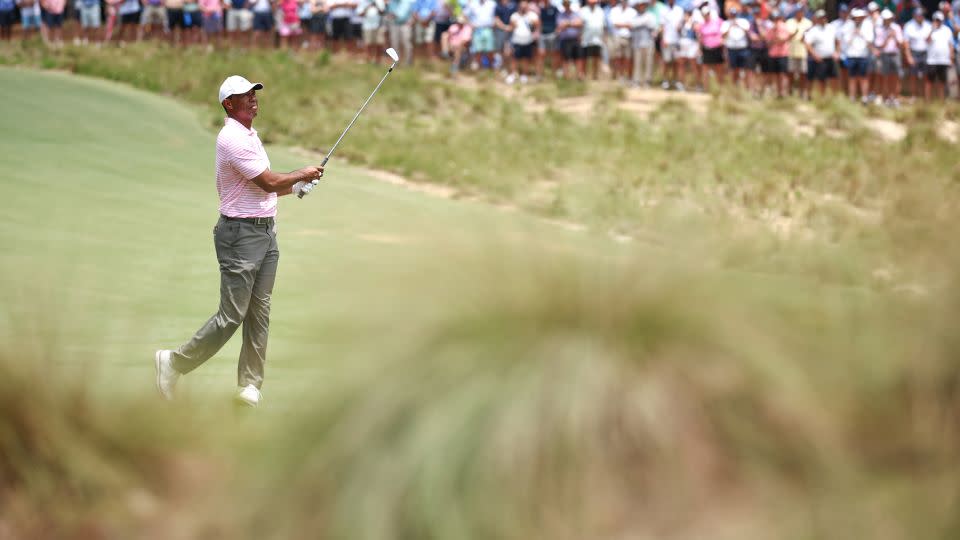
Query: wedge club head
[(392, 53)]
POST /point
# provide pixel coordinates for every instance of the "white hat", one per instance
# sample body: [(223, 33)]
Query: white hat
[(857, 12), (236, 84), (873, 6), (886, 14), (938, 16)]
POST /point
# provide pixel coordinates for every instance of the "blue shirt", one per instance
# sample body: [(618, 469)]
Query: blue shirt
[(238, 4), (401, 10), (548, 19), (7, 5), (424, 8), (504, 11)]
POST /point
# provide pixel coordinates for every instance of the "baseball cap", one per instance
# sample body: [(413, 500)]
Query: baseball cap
[(857, 12), (775, 14), (873, 6), (235, 84), (938, 16), (844, 8), (819, 13), (886, 14)]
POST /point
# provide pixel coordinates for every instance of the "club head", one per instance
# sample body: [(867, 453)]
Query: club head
[(392, 53)]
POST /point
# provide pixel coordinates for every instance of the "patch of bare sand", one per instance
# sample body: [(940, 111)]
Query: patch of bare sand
[(948, 130), (888, 130)]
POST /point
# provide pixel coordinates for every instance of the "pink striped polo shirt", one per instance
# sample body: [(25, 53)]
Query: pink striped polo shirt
[(240, 157)]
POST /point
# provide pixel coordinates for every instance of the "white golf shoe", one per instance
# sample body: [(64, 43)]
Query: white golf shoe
[(166, 376), (249, 396)]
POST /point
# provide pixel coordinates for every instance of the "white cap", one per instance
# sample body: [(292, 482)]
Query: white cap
[(886, 14), (873, 6), (857, 12), (236, 84), (938, 16)]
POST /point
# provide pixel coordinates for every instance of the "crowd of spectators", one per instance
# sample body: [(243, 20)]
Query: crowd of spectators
[(879, 51)]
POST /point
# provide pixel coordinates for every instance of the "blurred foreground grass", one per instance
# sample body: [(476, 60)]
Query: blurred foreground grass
[(459, 372)]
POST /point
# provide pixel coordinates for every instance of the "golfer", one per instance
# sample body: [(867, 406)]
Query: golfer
[(245, 239)]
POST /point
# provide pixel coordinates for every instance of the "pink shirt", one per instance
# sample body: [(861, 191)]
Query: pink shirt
[(710, 35), (212, 6), (240, 157), (54, 6), (780, 33)]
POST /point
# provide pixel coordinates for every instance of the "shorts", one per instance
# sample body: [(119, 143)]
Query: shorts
[(547, 42), (239, 20), (356, 30), (937, 73), (670, 52), (482, 42), (317, 23), (776, 64), (212, 23), (689, 49), (191, 19), (570, 48), (286, 29), (822, 70), (175, 18), (757, 57), (712, 56), (919, 67), (890, 64), (739, 58), (796, 66), (374, 36), (90, 16), (591, 51), (522, 52), (153, 15), (439, 28), (500, 39), (340, 28), (130, 18), (52, 20), (262, 21), (618, 46), (29, 21), (8, 17), (857, 67)]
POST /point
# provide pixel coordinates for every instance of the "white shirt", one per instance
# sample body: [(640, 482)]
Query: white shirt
[(621, 15), (916, 34), (594, 21), (371, 11), (858, 39), (938, 50), (340, 10), (823, 40), (523, 28), (737, 35), (480, 13), (672, 19), (838, 25), (644, 29)]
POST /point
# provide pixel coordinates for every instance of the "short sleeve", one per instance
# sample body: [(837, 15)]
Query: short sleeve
[(248, 160)]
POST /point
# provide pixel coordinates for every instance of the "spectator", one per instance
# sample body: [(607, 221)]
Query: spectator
[(822, 54), (887, 45), (759, 57), (193, 21), (858, 36), (129, 12), (671, 20), (338, 14), (711, 43), (7, 17), (547, 41), (288, 23), (735, 38), (873, 64), (591, 37), (315, 26), (113, 11), (523, 27), (839, 26), (305, 15), (53, 20), (797, 62), (481, 14), (643, 43), (212, 13), (152, 15), (620, 18), (175, 22), (569, 27), (689, 51), (915, 33), (455, 43), (355, 27), (400, 28), (940, 57), (29, 16), (501, 31), (89, 20), (372, 26), (422, 19), (778, 48), (239, 21), (442, 17)]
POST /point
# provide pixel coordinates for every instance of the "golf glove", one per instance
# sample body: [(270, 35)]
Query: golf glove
[(304, 188)]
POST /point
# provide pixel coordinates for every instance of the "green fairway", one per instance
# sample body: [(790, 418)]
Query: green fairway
[(110, 204)]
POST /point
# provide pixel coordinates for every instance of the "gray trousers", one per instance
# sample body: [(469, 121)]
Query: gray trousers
[(248, 256)]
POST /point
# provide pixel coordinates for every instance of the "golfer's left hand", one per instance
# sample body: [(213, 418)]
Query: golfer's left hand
[(302, 189)]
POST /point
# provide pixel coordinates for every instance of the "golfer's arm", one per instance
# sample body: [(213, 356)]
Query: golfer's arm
[(279, 183)]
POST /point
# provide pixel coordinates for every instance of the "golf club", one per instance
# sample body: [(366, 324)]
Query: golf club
[(396, 58)]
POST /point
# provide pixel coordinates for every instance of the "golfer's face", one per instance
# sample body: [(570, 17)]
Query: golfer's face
[(245, 105)]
